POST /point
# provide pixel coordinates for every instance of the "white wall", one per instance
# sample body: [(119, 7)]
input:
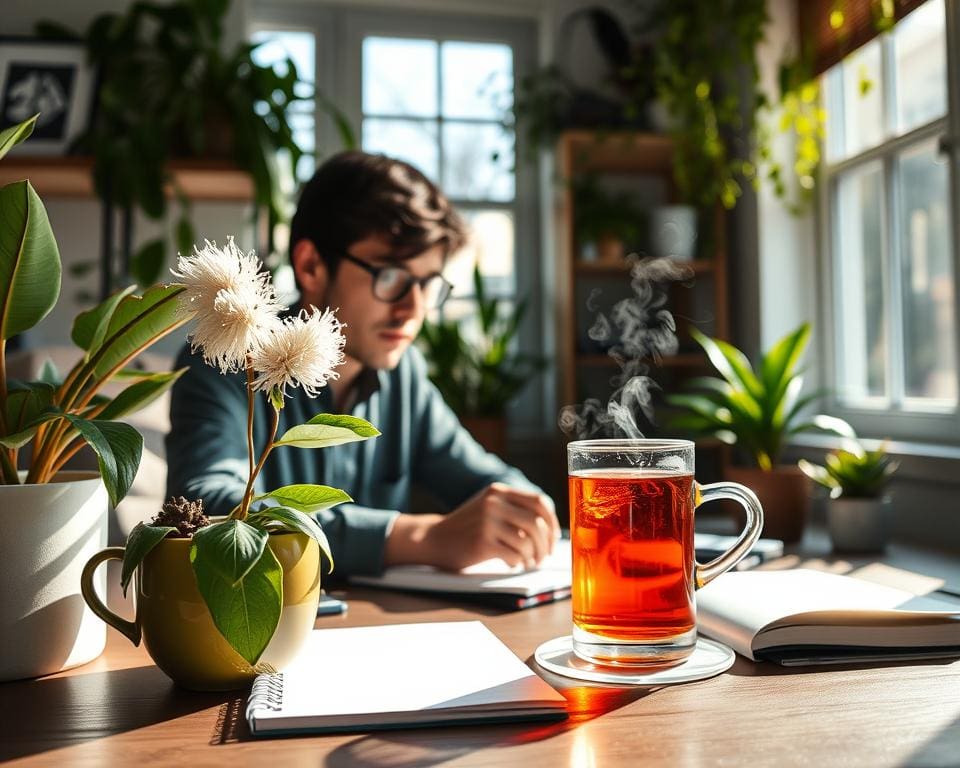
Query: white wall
[(787, 244)]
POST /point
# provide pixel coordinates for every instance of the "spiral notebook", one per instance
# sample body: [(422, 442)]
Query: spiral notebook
[(400, 676)]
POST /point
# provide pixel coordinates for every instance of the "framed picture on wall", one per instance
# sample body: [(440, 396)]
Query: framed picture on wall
[(50, 78)]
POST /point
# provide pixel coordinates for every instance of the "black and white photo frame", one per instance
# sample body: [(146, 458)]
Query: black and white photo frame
[(49, 77)]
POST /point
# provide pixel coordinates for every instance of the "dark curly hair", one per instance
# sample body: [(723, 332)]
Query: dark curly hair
[(354, 195)]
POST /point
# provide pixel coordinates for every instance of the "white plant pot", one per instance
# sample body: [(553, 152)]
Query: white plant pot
[(673, 232), (859, 525), (47, 533)]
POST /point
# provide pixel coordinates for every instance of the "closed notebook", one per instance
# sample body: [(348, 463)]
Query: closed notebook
[(400, 676), (802, 616), (495, 583)]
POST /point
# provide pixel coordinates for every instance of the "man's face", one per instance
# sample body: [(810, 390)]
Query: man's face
[(378, 332)]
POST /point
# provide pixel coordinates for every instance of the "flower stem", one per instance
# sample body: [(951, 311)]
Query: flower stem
[(248, 494), (250, 405)]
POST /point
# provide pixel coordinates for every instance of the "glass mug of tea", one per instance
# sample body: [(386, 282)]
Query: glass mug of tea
[(632, 506)]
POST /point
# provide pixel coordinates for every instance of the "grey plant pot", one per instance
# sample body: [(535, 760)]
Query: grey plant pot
[(859, 525)]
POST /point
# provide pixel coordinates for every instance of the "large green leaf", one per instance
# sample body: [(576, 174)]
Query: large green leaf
[(231, 548), (327, 429), (118, 447), (26, 409), (29, 260), (90, 327), (730, 362), (778, 364), (293, 520), (137, 322), (247, 614), (140, 394), (141, 540), (10, 137)]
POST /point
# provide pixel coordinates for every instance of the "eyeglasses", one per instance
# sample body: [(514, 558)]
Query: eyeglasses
[(392, 283)]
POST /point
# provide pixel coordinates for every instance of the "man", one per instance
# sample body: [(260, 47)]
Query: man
[(370, 238)]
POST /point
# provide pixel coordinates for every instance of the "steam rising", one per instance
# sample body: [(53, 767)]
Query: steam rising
[(645, 331)]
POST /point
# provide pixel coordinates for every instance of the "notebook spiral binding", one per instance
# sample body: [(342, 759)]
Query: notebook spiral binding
[(266, 693)]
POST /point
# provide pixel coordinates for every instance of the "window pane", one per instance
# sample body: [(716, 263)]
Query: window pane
[(478, 161), (491, 245), (399, 76), (275, 47), (477, 79), (929, 327), (412, 140), (920, 54), (862, 99), (861, 305)]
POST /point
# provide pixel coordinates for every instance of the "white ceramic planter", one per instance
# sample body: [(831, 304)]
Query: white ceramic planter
[(47, 534), (859, 525)]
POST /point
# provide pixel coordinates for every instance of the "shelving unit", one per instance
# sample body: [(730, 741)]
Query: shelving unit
[(643, 157), (72, 178)]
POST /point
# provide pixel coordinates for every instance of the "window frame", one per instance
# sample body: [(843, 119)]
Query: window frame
[(934, 425), (339, 32)]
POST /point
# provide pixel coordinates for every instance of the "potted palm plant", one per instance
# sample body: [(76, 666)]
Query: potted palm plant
[(54, 519), (758, 410), (479, 378), (859, 510)]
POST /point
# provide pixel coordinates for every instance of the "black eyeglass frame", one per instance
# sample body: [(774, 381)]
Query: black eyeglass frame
[(446, 287)]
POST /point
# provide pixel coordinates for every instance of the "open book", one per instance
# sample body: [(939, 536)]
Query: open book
[(403, 675), (495, 583), (804, 616)]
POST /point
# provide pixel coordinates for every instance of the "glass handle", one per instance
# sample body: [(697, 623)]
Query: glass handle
[(704, 574)]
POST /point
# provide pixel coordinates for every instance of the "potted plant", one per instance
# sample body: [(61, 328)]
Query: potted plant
[(220, 600), (604, 222), (169, 89), (54, 519), (859, 510), (479, 378), (758, 410)]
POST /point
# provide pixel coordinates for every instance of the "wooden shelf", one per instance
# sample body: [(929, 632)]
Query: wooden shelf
[(618, 152), (698, 266), (683, 360), (72, 177)]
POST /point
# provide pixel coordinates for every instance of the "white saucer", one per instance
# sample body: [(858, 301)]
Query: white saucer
[(709, 658)]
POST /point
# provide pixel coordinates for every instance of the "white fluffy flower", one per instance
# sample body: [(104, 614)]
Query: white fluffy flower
[(232, 300), (301, 351)]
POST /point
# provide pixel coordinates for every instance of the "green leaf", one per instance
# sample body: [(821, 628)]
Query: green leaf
[(778, 364), (49, 373), (306, 498), (28, 406), (118, 447), (295, 520), (246, 614), (231, 548), (327, 429), (90, 327), (730, 362), (147, 263), (29, 260), (140, 394), (185, 235), (10, 137), (141, 540), (135, 324)]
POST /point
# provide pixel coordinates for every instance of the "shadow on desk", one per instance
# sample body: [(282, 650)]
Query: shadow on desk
[(111, 702), (405, 749)]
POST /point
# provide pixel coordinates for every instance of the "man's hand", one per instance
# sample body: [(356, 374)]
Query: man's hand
[(515, 525)]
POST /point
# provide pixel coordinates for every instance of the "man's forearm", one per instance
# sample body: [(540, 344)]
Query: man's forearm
[(406, 543)]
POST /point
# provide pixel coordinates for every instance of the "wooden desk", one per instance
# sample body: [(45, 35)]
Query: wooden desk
[(121, 710)]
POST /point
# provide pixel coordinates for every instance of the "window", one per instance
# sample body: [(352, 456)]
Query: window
[(889, 211), (439, 104)]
